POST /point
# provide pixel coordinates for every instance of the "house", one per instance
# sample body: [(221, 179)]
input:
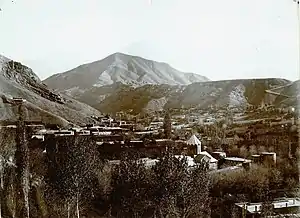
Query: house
[(282, 206), (136, 144), (232, 161), (219, 155), (209, 121), (264, 158), (268, 157), (226, 170), (18, 100), (149, 162), (148, 132), (189, 160), (205, 158), (256, 158), (146, 161), (63, 133), (38, 137)]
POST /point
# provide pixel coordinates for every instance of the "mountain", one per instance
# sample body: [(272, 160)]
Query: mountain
[(226, 93), (290, 95), (118, 67), (122, 82), (42, 104)]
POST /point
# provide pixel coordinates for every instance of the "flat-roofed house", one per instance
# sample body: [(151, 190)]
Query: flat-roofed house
[(205, 158), (233, 161), (285, 207)]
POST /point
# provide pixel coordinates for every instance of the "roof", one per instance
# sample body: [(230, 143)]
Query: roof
[(193, 141), (147, 161), (268, 153), (255, 155), (237, 159), (203, 154), (163, 140), (102, 133), (201, 157), (38, 137), (288, 202), (145, 132), (219, 152), (189, 160)]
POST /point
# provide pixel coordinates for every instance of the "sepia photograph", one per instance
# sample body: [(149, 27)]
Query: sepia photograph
[(149, 109)]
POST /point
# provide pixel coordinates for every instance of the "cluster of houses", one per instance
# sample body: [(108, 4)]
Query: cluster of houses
[(112, 139), (115, 136)]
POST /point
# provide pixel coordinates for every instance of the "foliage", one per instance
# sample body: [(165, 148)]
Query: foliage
[(72, 171), (74, 177), (167, 189), (130, 182), (167, 125), (132, 99), (179, 191)]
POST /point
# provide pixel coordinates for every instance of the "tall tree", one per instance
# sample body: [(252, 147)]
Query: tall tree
[(167, 125), (130, 183), (179, 191), (72, 169), (22, 162)]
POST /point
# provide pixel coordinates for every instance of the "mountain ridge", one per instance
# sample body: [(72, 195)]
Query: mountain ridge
[(121, 82), (120, 67), (44, 104), (203, 95)]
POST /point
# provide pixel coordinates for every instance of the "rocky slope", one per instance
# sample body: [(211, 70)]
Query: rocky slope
[(293, 91), (17, 80), (230, 93), (122, 68)]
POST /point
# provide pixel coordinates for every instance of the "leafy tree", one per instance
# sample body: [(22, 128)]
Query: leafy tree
[(167, 125), (130, 183), (72, 172), (179, 191)]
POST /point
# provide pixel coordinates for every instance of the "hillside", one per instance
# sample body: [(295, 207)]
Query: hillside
[(227, 93), (119, 68), (17, 80), (291, 90), (131, 99)]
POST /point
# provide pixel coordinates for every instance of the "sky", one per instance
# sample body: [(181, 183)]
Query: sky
[(218, 39)]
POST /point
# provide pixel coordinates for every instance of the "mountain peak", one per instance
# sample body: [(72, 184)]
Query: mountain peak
[(129, 56), (124, 68)]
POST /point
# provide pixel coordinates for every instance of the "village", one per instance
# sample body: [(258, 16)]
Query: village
[(223, 140)]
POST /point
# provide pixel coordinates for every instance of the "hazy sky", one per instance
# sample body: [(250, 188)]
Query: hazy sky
[(220, 39)]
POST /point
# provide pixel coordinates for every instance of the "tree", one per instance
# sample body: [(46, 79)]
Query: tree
[(167, 125), (22, 162), (194, 197), (130, 184), (179, 191), (254, 185), (72, 171)]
